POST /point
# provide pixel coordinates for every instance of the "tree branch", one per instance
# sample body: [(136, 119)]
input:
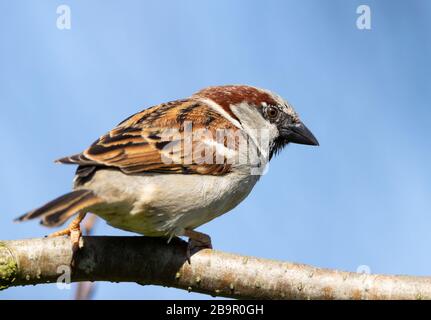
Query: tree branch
[(152, 261)]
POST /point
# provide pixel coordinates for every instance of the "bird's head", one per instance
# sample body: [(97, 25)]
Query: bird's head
[(254, 108)]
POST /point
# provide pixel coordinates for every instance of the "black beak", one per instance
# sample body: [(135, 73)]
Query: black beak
[(299, 133)]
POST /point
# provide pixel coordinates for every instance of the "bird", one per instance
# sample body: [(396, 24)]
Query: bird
[(175, 166)]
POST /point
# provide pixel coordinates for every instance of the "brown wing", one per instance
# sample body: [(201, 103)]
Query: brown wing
[(159, 140)]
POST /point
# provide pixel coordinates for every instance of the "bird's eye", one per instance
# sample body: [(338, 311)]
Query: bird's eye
[(272, 112)]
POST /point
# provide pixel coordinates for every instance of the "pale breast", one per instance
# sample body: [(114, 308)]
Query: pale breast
[(166, 204)]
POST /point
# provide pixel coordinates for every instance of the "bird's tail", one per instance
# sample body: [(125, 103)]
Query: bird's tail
[(57, 211)]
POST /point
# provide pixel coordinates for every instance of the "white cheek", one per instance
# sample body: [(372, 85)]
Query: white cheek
[(260, 131)]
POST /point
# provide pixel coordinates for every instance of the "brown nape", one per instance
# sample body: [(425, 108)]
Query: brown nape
[(235, 94)]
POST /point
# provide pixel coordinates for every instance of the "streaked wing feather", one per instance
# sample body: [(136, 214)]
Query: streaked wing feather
[(140, 143)]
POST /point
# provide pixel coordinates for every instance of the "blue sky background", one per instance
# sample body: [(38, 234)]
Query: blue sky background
[(361, 198)]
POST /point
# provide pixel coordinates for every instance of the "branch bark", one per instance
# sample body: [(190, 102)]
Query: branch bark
[(152, 261)]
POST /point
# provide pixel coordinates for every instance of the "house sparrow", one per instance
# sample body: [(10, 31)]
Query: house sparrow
[(168, 169)]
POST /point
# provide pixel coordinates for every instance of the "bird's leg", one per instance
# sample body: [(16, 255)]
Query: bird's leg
[(197, 240), (73, 230)]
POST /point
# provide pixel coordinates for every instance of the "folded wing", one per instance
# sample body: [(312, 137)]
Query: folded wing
[(160, 139)]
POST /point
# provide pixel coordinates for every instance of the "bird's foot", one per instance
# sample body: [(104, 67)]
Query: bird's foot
[(73, 231), (197, 241)]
